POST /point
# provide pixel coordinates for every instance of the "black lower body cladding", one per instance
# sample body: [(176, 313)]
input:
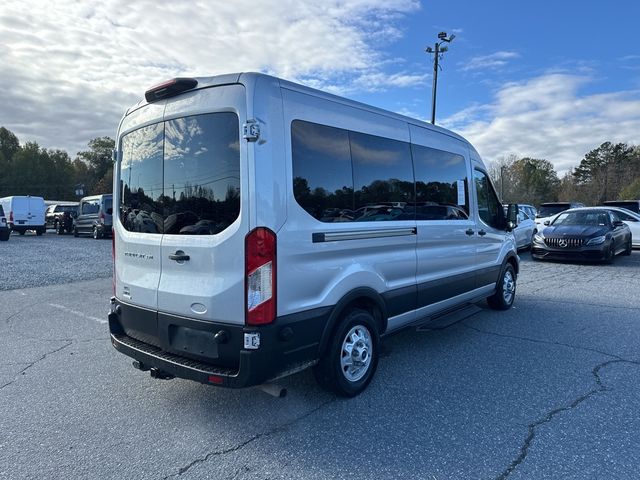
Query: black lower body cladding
[(213, 352)]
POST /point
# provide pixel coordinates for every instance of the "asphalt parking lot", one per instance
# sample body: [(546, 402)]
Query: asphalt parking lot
[(548, 389)]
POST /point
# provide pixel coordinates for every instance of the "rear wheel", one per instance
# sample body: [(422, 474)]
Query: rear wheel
[(505, 291), (4, 236), (97, 233), (352, 356)]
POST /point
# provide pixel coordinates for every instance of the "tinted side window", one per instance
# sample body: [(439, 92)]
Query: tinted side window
[(441, 181), (383, 177), (489, 207), (141, 180), (322, 175)]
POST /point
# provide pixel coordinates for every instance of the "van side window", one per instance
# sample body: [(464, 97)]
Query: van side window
[(328, 162), (141, 180), (489, 207), (383, 177), (322, 175), (441, 184)]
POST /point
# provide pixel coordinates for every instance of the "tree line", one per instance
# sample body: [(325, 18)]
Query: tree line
[(33, 170), (608, 172)]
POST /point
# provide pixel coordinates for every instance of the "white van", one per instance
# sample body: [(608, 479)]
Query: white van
[(25, 213), (242, 248)]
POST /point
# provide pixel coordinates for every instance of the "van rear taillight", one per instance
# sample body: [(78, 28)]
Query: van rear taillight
[(170, 88), (101, 217), (11, 216), (260, 276)]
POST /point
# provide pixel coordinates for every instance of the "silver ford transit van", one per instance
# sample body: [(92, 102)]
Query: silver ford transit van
[(262, 227)]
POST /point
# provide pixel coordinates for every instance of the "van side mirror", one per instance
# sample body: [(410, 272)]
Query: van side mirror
[(618, 223), (512, 216)]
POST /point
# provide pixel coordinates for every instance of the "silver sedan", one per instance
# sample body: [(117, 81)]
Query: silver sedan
[(525, 230)]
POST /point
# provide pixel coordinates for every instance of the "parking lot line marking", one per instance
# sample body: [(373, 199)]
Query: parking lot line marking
[(77, 313)]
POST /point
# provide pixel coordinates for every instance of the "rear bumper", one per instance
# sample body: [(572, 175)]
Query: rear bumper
[(190, 349)]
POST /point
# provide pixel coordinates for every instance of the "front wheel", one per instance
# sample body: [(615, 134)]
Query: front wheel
[(505, 291), (610, 254), (352, 356)]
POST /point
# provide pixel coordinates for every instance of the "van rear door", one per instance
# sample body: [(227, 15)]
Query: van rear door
[(138, 227), (205, 203)]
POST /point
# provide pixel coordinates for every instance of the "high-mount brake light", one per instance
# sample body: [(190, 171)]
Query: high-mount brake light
[(170, 88), (260, 276)]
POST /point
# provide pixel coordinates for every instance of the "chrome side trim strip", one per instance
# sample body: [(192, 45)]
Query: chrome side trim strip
[(320, 237)]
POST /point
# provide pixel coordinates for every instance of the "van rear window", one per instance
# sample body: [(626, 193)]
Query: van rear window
[(182, 176)]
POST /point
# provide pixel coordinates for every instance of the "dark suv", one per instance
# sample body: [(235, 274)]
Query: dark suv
[(5, 231), (60, 217), (94, 216)]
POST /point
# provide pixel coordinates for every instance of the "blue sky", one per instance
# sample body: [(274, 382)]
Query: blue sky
[(542, 79)]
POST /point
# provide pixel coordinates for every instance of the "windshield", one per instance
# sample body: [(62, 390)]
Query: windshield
[(182, 176), (549, 210), (592, 219)]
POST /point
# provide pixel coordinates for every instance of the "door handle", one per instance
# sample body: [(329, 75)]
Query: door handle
[(179, 256), (482, 233), (469, 231)]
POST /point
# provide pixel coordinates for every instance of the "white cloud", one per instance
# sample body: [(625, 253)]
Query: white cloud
[(70, 69), (489, 62), (547, 117)]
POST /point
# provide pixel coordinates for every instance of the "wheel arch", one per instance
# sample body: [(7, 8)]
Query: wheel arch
[(365, 298)]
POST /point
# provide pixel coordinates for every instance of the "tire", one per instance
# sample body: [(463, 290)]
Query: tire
[(59, 229), (75, 232), (610, 255), (352, 356), (97, 234), (40, 230), (505, 291), (5, 236), (628, 248)]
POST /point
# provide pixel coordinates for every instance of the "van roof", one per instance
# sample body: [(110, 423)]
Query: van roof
[(250, 79)]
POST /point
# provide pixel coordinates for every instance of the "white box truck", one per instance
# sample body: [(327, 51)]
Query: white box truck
[(24, 213)]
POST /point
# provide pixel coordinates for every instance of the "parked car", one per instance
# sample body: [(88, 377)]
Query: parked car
[(249, 277), (550, 209), (60, 217), (632, 219), (633, 205), (5, 231), (24, 213), (583, 234), (525, 230), (94, 216)]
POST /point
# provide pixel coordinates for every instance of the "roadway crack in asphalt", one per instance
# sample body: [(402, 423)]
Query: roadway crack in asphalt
[(241, 445), (31, 364), (546, 418), (547, 342)]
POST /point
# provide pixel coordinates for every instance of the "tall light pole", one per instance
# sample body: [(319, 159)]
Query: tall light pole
[(438, 50)]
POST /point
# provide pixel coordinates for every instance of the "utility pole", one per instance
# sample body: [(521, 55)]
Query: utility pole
[(438, 50)]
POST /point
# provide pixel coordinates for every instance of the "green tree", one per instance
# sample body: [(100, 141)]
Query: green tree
[(631, 191), (606, 170), (535, 180), (100, 163)]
